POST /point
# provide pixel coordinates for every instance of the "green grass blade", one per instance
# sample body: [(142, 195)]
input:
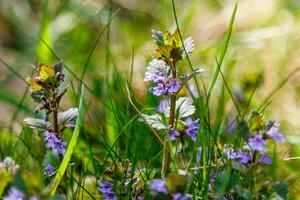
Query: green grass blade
[(61, 170), (222, 51), (42, 51)]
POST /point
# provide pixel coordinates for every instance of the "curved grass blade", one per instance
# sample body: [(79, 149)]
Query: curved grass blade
[(222, 53), (50, 191)]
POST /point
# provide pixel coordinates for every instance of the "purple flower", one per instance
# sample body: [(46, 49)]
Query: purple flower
[(158, 186), (9, 164), (157, 71), (107, 190), (257, 143), (54, 143), (194, 91), (230, 154), (173, 134), (213, 176), (174, 86), (179, 196), (49, 170), (34, 198), (192, 128), (265, 159), (14, 194), (273, 131), (159, 89), (244, 157), (163, 105)]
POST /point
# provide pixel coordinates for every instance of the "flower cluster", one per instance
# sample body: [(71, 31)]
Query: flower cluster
[(49, 170), (45, 88), (163, 72), (159, 73), (255, 149), (9, 165), (54, 143), (16, 194), (159, 187), (107, 190)]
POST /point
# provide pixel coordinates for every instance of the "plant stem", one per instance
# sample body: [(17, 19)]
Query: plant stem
[(55, 120), (167, 154)]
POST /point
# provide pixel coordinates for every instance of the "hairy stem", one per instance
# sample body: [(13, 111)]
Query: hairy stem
[(55, 121), (167, 154), (55, 113)]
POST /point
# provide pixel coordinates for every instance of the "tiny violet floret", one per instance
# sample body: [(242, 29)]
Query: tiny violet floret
[(14, 194), (49, 170), (158, 186), (9, 164), (54, 143), (257, 143), (192, 128), (159, 89), (265, 159), (174, 86), (173, 134), (157, 71), (34, 198), (273, 131), (107, 190), (179, 196), (244, 157)]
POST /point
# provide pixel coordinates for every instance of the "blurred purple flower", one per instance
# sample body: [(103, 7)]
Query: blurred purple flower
[(194, 91), (179, 196), (257, 143), (34, 198), (265, 159), (273, 131), (107, 190), (244, 157), (49, 170), (14, 194), (158, 186), (174, 86), (213, 176), (163, 105), (173, 134), (192, 128), (232, 125), (54, 143), (230, 154), (158, 90), (9, 164)]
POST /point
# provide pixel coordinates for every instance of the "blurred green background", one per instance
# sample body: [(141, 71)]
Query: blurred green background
[(265, 47)]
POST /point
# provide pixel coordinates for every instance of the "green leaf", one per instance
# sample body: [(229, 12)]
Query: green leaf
[(222, 183), (38, 125), (51, 189), (184, 108), (68, 118), (192, 74), (154, 121)]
